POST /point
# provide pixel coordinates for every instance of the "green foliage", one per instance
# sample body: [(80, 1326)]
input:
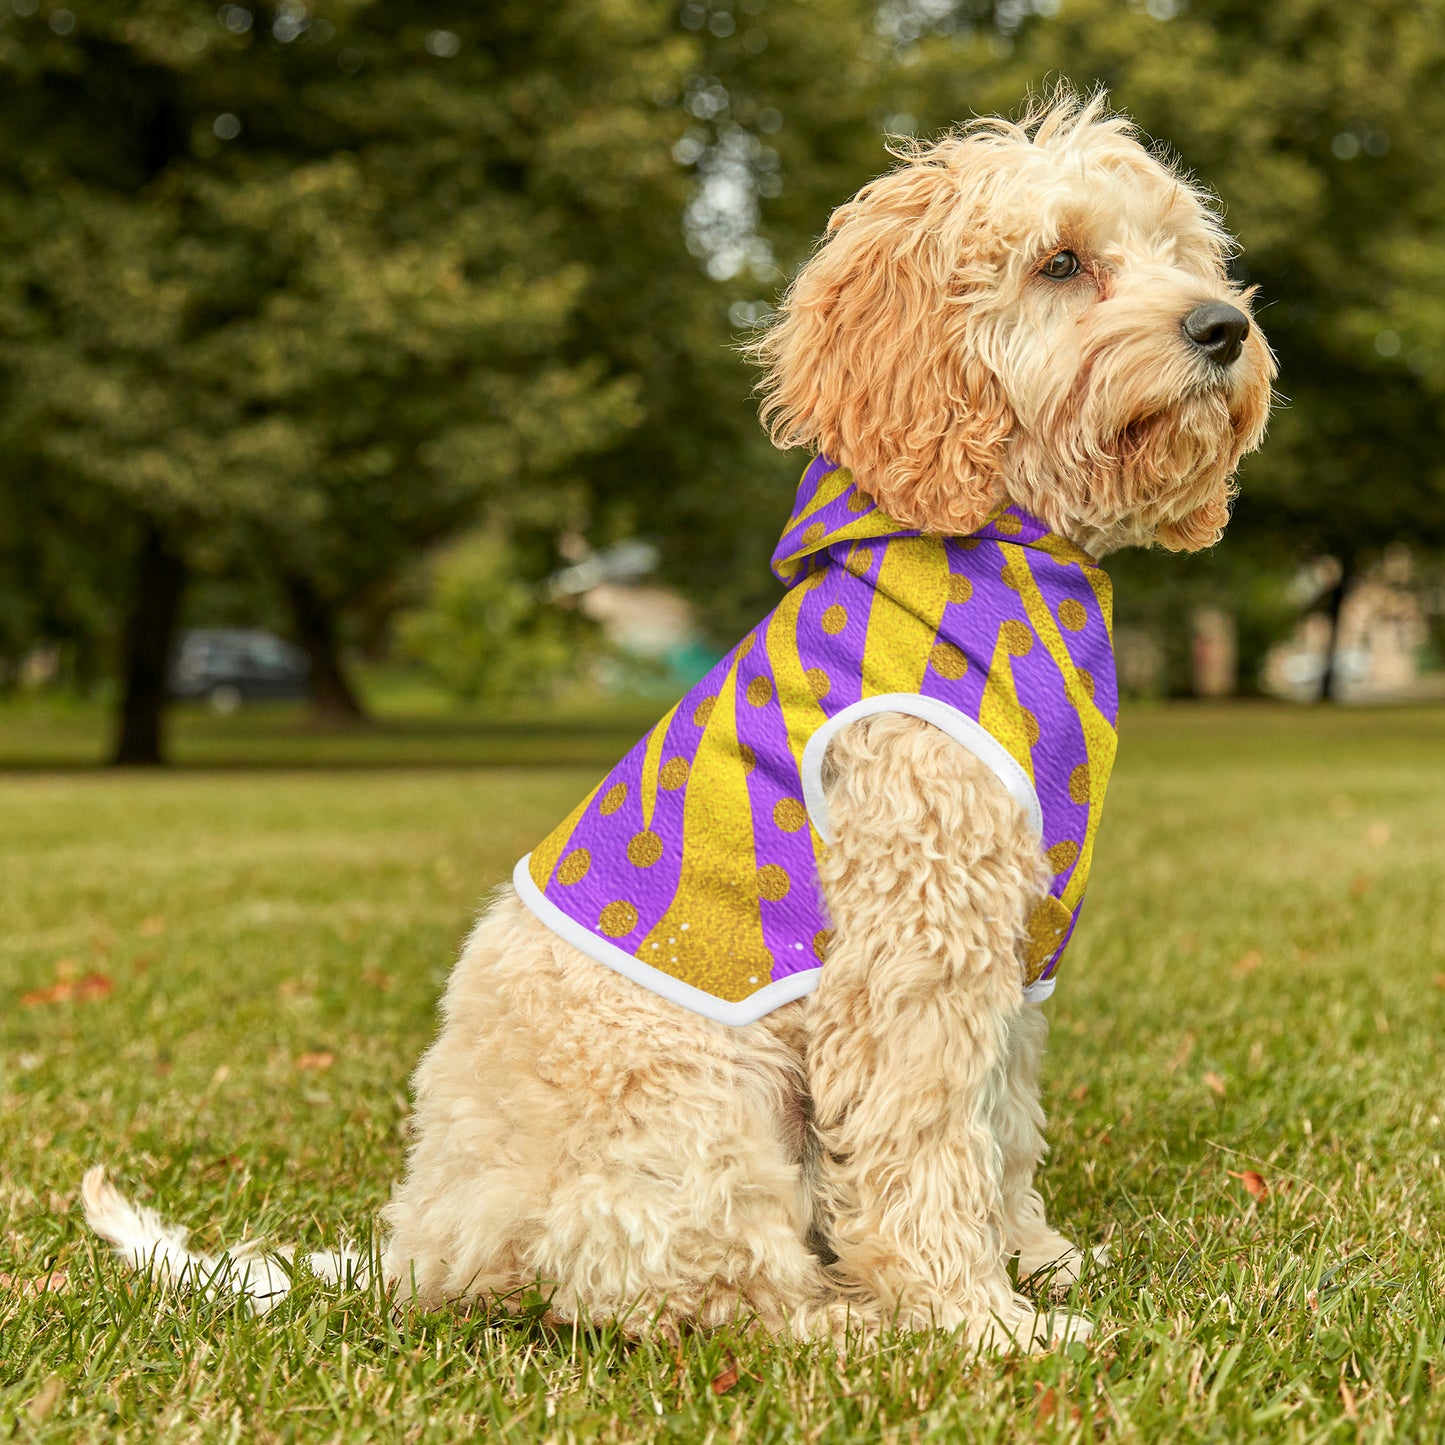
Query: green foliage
[(484, 634), (1245, 922), (313, 291), (322, 285), (1316, 122)]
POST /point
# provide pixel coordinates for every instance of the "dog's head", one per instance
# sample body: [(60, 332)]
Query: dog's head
[(1038, 312)]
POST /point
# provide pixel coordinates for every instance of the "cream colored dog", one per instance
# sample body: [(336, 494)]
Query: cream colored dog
[(1036, 313)]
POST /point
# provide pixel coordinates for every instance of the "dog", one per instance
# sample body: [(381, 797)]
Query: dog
[(756, 1033)]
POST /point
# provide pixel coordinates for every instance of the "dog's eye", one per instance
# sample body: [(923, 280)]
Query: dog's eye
[(1061, 266)]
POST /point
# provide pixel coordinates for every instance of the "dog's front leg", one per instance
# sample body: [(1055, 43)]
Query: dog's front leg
[(930, 878)]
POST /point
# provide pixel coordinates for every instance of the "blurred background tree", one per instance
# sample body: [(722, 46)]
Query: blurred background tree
[(292, 293), (1316, 122)]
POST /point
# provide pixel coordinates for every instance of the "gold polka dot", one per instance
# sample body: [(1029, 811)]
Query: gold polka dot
[(773, 882), (815, 533), (789, 814), (967, 544), (745, 646), (1086, 680), (859, 503), (644, 850), (1062, 855), (613, 798), (1008, 524), (822, 941), (573, 868), (860, 559), (1072, 614), (703, 711), (960, 589), (673, 774), (748, 758), (1017, 638), (760, 692), (617, 919), (819, 681), (835, 619), (948, 661), (1014, 575), (1079, 784), (1031, 726)]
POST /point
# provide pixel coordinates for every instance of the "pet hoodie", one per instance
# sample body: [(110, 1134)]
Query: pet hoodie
[(692, 866)]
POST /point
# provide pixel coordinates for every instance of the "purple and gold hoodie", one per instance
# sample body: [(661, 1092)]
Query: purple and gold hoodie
[(692, 866)]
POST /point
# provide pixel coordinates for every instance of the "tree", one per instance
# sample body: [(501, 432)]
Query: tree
[(1317, 123), (305, 282)]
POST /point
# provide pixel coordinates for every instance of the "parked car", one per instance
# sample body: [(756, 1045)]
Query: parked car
[(230, 665)]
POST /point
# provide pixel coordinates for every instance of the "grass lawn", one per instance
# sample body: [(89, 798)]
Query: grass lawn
[(217, 980)]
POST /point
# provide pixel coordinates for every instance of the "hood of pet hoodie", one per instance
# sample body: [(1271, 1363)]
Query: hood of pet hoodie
[(692, 866)]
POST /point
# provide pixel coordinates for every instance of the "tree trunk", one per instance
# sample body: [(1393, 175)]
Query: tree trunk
[(150, 630), (1329, 675), (333, 699)]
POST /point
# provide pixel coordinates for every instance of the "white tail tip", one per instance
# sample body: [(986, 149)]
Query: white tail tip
[(147, 1243)]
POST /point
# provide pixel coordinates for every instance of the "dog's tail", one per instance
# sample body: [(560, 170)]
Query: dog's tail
[(147, 1243)]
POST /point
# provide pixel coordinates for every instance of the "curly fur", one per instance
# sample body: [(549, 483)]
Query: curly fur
[(865, 1156), (921, 347)]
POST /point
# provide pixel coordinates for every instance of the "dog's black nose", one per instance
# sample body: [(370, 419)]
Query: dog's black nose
[(1217, 330)]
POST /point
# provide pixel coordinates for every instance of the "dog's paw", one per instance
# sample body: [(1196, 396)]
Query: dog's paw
[(1057, 1267), (1023, 1326)]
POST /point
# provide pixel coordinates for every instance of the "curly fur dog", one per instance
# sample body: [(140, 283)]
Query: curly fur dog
[(1035, 315)]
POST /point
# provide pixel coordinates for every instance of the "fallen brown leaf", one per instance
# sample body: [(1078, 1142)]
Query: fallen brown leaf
[(321, 1059), (1440, 980), (81, 990), (1080, 1094), (722, 1383), (1360, 885), (1255, 1184), (1214, 1083), (151, 927), (1248, 963), (1046, 1407), (56, 1282), (56, 993), (377, 979)]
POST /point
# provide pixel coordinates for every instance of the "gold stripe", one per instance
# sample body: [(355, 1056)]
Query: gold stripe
[(1100, 739), (829, 490), (550, 849), (1000, 713), (712, 933), (1104, 592), (1062, 550), (901, 637), (861, 529), (651, 762), (803, 714)]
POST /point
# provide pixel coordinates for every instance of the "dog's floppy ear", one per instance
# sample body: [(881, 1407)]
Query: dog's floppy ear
[(871, 360)]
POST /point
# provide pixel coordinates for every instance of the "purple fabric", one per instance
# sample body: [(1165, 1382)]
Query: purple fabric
[(695, 857)]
